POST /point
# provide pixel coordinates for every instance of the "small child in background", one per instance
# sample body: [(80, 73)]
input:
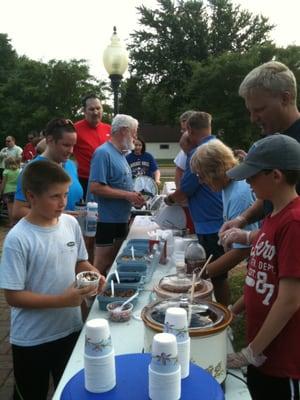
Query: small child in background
[(9, 184)]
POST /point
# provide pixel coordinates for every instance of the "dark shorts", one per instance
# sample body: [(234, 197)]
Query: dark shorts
[(8, 197), (84, 183), (107, 233), (263, 387), (211, 246), (33, 366)]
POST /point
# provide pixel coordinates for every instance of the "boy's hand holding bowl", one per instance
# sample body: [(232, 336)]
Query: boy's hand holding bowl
[(90, 278)]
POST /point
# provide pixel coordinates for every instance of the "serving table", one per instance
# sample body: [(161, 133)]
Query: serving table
[(128, 337)]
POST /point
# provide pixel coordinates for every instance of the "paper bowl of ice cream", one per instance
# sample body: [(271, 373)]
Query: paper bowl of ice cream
[(88, 278)]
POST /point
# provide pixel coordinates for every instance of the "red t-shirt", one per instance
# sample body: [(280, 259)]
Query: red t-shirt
[(29, 152), (88, 139), (275, 255)]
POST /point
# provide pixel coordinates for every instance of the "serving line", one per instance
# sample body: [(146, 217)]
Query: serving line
[(128, 337)]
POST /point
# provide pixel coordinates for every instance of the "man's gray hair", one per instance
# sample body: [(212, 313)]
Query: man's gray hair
[(272, 76), (123, 121), (186, 115)]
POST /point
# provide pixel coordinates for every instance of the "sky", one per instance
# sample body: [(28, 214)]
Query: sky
[(66, 29)]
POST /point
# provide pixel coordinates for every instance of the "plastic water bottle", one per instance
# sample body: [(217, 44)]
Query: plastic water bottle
[(80, 207), (91, 219)]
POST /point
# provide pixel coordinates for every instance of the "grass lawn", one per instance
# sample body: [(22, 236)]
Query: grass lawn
[(236, 283), (165, 162)]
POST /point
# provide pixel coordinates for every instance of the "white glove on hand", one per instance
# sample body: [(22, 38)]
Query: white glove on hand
[(233, 235), (244, 358), (237, 222)]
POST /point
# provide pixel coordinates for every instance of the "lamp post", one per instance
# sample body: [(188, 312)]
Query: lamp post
[(115, 60)]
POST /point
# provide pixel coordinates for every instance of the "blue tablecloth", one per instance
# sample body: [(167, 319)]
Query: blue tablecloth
[(132, 383)]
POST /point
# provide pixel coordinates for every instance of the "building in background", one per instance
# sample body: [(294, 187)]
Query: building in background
[(162, 141)]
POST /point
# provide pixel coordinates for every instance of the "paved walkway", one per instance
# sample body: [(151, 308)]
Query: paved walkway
[(6, 372), (6, 369)]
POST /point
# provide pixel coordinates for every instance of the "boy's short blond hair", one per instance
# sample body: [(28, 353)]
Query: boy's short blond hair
[(212, 160)]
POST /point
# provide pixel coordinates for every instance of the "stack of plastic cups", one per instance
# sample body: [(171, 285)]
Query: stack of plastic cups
[(168, 236), (164, 370), (176, 323), (178, 244), (178, 260), (99, 357)]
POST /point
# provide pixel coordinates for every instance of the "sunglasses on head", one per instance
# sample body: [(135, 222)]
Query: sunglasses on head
[(62, 122)]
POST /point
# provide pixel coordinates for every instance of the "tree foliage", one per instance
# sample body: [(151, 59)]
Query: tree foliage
[(194, 55), (178, 32), (214, 87), (33, 92), (235, 30)]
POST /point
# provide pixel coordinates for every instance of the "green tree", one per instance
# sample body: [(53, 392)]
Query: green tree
[(8, 57), (32, 92), (178, 33), (131, 97), (214, 85), (234, 30)]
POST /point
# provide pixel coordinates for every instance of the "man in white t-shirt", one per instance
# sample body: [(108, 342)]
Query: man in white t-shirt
[(180, 159)]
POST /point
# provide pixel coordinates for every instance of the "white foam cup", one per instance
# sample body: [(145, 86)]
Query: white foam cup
[(164, 386), (164, 343), (100, 373), (184, 357), (176, 320), (97, 329)]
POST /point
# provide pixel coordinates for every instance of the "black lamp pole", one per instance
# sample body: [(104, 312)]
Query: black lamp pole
[(115, 84), (115, 61)]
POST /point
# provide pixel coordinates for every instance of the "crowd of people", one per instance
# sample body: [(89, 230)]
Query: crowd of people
[(241, 209)]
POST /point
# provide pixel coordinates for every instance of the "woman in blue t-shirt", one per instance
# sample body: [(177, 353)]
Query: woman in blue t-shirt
[(143, 163), (61, 137)]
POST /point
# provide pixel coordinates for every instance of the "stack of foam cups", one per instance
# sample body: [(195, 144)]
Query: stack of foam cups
[(164, 369), (99, 357), (176, 324)]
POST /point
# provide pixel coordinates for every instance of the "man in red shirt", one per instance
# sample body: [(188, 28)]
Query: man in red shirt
[(91, 133), (29, 151)]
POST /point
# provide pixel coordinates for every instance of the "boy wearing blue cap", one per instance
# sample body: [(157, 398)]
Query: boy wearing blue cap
[(271, 297)]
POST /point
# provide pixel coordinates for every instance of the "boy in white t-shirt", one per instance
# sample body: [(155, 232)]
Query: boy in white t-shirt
[(41, 256)]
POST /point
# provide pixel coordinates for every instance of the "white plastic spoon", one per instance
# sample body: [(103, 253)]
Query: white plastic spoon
[(112, 287), (132, 253), (120, 308), (117, 276)]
